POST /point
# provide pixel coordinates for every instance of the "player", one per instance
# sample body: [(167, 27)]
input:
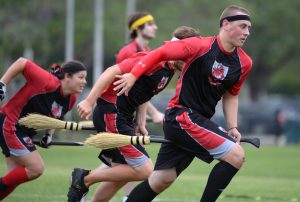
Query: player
[(115, 114), (44, 93), (215, 69)]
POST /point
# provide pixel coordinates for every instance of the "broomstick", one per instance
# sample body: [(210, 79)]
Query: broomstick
[(41, 122), (107, 140)]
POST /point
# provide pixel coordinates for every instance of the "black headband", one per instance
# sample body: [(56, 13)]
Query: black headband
[(234, 18)]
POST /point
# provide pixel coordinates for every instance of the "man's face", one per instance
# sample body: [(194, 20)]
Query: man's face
[(149, 31), (238, 32)]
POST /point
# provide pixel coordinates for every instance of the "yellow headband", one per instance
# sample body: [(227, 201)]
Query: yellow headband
[(141, 21)]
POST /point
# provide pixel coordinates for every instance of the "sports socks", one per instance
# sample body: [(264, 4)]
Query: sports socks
[(11, 180), (219, 178), (142, 193)]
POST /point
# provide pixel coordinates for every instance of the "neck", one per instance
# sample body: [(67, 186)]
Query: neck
[(64, 89), (143, 43), (225, 43)]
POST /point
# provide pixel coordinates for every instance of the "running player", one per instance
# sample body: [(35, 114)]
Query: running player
[(44, 93), (215, 68), (115, 114)]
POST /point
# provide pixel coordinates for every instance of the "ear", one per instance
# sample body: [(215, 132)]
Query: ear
[(67, 76), (225, 24)]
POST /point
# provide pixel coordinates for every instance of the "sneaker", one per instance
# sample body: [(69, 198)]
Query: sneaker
[(2, 186), (77, 188)]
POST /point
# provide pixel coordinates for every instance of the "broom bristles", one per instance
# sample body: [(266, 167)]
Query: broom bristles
[(41, 122), (106, 140)]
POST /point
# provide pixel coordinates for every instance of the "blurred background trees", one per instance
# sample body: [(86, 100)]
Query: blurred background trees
[(36, 28)]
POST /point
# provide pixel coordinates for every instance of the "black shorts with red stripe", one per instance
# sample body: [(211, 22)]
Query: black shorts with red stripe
[(193, 135), (13, 140), (107, 118)]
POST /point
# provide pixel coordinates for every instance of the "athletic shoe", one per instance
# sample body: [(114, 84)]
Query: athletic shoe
[(77, 188), (2, 186)]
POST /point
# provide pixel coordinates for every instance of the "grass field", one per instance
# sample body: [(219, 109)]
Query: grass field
[(270, 174)]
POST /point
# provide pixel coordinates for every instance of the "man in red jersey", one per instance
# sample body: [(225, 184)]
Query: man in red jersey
[(44, 93), (215, 68)]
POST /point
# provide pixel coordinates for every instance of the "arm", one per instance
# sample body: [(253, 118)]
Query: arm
[(16, 68), (176, 50), (230, 109), (141, 119), (156, 116), (84, 108)]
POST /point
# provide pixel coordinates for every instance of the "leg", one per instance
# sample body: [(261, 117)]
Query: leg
[(222, 173), (119, 173), (82, 179), (158, 181), (21, 169), (129, 186), (106, 190)]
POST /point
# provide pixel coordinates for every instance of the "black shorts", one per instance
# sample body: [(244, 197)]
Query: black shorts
[(106, 118), (193, 135), (13, 140)]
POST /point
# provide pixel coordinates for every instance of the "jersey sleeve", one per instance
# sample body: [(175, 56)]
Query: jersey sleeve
[(127, 64), (35, 75), (246, 64), (172, 50)]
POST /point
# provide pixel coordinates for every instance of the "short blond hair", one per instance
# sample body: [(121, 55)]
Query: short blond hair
[(233, 10)]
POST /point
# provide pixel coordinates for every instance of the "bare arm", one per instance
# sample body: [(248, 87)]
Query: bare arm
[(84, 108), (16, 68), (230, 109), (156, 116), (141, 119)]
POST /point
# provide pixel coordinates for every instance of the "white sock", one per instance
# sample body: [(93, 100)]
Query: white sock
[(124, 198)]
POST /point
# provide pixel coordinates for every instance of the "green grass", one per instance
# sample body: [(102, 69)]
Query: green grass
[(270, 174)]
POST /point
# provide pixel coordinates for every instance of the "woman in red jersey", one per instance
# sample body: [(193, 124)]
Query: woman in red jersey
[(51, 94)]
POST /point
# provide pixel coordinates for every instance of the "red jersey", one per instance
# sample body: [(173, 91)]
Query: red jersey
[(129, 50), (151, 83), (208, 73), (42, 93)]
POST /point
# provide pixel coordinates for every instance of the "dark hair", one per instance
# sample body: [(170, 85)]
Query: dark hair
[(183, 32), (70, 67), (132, 18)]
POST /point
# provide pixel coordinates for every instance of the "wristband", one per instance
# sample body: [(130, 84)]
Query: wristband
[(232, 128)]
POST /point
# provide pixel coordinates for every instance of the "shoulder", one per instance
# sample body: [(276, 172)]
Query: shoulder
[(245, 59)]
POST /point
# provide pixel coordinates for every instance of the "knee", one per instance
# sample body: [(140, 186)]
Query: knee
[(36, 171), (238, 156), (235, 157), (146, 172), (159, 181)]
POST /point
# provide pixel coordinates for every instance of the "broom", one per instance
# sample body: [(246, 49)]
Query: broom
[(42, 122), (107, 140)]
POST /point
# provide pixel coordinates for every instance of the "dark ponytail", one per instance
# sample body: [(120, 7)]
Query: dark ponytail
[(70, 67)]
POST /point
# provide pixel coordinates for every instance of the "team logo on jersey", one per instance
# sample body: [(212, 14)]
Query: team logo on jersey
[(28, 141), (162, 83), (218, 73), (56, 110)]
